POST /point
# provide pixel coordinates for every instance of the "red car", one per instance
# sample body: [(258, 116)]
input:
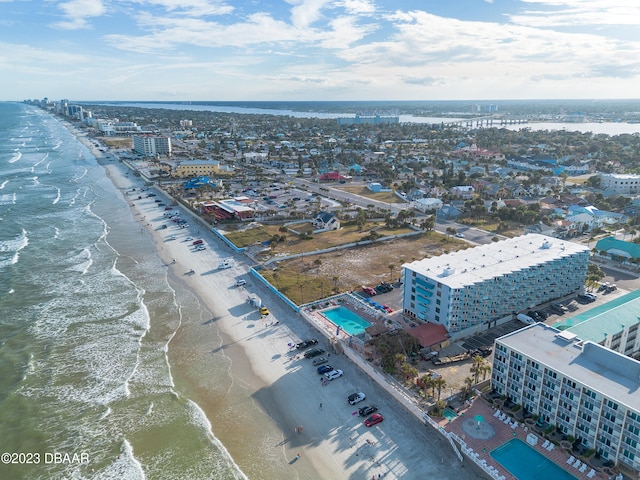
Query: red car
[(369, 291), (374, 419)]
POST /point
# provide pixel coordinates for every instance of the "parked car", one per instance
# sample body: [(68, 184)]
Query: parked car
[(240, 282), (535, 315), (306, 343), (319, 361), (373, 420), (322, 369), (603, 287), (356, 398), (367, 410), (264, 311), (333, 374), (369, 291), (383, 288), (314, 352), (558, 308), (459, 235), (586, 298)]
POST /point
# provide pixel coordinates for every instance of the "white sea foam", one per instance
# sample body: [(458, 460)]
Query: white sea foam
[(3, 184), (106, 413), (8, 199), (198, 418), (126, 465), (57, 199), (16, 156), (12, 248), (46, 155)]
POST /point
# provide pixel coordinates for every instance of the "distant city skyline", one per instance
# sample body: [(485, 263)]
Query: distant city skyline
[(319, 49)]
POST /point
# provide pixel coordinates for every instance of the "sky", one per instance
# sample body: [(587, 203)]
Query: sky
[(313, 50)]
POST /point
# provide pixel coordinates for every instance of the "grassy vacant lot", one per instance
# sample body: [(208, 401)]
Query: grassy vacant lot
[(117, 142), (388, 197), (294, 244), (316, 276)]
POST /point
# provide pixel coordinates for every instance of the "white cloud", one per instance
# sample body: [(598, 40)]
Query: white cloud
[(573, 13), (191, 8), (77, 12), (306, 12)]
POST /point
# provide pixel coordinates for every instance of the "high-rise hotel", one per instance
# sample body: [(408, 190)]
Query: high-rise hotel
[(472, 289)]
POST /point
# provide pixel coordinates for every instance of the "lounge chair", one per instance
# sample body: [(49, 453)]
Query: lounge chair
[(577, 463), (497, 413), (506, 420), (545, 444), (514, 425), (551, 446), (570, 459), (591, 473), (582, 468)]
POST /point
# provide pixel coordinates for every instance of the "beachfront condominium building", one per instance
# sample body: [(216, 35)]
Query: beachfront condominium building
[(152, 145), (584, 390), (470, 290)]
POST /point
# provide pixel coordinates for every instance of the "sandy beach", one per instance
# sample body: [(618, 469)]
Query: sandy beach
[(276, 419)]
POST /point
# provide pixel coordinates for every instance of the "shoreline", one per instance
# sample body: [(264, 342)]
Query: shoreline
[(270, 394)]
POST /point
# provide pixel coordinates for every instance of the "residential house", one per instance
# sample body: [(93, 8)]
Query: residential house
[(427, 204), (466, 192), (325, 221)]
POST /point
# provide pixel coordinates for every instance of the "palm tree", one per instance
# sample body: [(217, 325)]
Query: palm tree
[(439, 383), (468, 386), (392, 267), (476, 367), (427, 382), (317, 262)]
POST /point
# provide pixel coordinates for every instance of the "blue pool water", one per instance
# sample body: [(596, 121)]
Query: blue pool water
[(525, 463), (449, 414), (349, 321)]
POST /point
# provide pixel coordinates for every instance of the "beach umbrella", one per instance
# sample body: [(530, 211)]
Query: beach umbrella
[(479, 419)]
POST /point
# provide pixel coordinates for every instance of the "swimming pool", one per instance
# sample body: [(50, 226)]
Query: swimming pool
[(525, 463), (347, 320), (449, 414)]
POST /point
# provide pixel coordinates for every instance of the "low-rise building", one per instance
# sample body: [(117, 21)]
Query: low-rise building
[(196, 168), (619, 184)]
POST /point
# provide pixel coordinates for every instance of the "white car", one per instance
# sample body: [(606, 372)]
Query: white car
[(459, 235), (241, 282), (356, 398), (188, 239), (333, 374)]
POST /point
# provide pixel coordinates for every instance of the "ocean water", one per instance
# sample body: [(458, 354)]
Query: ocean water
[(87, 314)]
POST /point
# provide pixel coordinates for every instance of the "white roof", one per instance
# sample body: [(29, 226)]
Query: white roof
[(610, 373), (481, 263)]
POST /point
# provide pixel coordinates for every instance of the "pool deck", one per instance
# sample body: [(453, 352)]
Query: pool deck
[(504, 433)]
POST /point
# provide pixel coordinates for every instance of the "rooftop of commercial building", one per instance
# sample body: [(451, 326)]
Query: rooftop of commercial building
[(484, 262), (598, 368), (607, 319)]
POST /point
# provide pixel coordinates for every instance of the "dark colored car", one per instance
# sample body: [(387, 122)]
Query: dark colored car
[(373, 420), (306, 343), (367, 410), (322, 369), (314, 352)]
